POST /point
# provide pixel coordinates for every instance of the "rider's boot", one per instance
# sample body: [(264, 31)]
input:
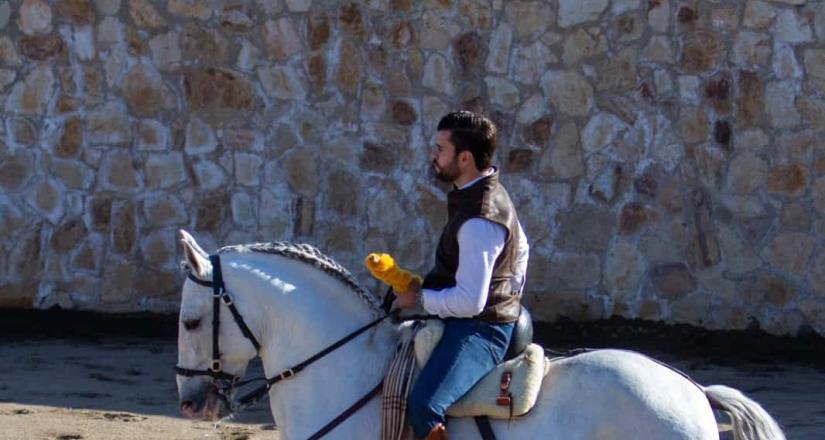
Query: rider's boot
[(439, 432)]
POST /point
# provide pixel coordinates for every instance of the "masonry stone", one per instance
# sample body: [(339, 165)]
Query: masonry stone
[(701, 51), (166, 52), (108, 7), (658, 15), (581, 45), (789, 180), (208, 175), (117, 173), (780, 98), (281, 38), (32, 94), (166, 210), (73, 174), (790, 27), (243, 209), (247, 169), (143, 91), (502, 92), (624, 269), (124, 227), (437, 75), (569, 92), (282, 82), (42, 48), (8, 52), (200, 137), (814, 60), (109, 125), (203, 44), (529, 62), (145, 15), (5, 14), (585, 228), (564, 158), (152, 135), (218, 89), (498, 57), (784, 62), (165, 170), (660, 50), (573, 12), (35, 17), (752, 49), (442, 29), (601, 130)]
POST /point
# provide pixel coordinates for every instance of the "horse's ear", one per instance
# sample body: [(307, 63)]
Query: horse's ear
[(196, 258)]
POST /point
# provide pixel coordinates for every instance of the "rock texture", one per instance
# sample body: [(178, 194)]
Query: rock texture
[(665, 156)]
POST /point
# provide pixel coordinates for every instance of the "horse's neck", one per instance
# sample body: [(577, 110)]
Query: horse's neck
[(326, 388), (317, 313)]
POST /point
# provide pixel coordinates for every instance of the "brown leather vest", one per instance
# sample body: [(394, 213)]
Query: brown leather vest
[(489, 200)]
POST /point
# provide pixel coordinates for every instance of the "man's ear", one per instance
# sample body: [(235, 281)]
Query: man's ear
[(465, 159)]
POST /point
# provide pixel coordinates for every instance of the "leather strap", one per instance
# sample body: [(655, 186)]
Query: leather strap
[(483, 424), (504, 397), (290, 372), (217, 290), (347, 413)]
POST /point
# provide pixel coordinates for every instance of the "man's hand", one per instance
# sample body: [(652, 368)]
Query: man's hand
[(407, 298)]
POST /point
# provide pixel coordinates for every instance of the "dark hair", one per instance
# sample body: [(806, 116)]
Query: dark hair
[(471, 132)]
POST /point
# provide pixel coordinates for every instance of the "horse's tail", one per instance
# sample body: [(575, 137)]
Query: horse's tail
[(750, 421)]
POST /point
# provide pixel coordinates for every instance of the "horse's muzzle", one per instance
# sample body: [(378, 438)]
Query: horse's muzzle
[(205, 403)]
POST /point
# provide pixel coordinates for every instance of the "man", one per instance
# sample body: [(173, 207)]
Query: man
[(479, 271)]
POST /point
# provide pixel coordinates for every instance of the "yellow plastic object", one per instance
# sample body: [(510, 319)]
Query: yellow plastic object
[(383, 267)]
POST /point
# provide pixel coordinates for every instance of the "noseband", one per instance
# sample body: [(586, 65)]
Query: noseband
[(226, 382)]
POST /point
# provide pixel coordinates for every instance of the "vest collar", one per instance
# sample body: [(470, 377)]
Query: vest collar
[(472, 196)]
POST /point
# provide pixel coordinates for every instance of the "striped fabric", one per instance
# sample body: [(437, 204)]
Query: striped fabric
[(397, 384)]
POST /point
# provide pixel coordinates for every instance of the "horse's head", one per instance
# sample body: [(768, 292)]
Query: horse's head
[(202, 395)]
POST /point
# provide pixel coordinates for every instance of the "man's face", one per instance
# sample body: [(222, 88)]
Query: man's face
[(444, 158)]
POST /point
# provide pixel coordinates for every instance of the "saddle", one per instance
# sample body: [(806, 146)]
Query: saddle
[(507, 392), (511, 389)]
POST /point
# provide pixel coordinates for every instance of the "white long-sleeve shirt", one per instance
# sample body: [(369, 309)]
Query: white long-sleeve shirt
[(480, 242)]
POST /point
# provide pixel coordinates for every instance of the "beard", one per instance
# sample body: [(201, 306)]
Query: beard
[(447, 174)]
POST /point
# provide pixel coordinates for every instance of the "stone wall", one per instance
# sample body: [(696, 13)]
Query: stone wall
[(666, 156)]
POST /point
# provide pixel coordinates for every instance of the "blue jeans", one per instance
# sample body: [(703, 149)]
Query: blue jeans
[(469, 349)]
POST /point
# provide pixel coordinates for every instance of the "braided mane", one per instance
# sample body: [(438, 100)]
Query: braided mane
[(311, 255)]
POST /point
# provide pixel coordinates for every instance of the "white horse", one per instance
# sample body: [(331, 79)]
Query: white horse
[(296, 309)]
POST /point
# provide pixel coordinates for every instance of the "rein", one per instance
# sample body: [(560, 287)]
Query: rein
[(226, 382)]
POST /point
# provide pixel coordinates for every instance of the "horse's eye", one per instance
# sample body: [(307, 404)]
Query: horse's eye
[(191, 324)]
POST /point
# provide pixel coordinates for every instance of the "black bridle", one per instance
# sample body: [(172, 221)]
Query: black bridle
[(219, 294), (226, 382)]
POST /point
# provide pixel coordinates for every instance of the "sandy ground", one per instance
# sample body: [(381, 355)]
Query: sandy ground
[(69, 389), (78, 375), (64, 389)]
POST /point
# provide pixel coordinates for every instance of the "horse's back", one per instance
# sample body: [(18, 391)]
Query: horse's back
[(611, 394)]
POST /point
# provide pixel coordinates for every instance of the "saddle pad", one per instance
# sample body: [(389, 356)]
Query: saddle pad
[(528, 370), (426, 338)]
